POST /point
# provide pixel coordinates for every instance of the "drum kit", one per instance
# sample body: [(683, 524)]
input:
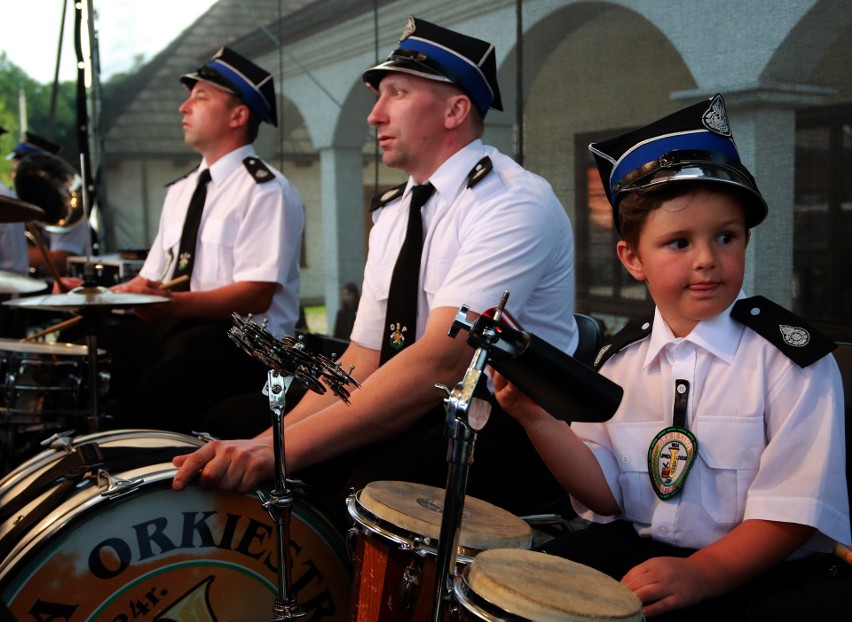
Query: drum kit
[(50, 386), (97, 510)]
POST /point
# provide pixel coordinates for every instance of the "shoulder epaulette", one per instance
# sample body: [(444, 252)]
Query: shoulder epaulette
[(380, 200), (797, 339), (478, 172), (184, 176), (632, 332), (258, 170)]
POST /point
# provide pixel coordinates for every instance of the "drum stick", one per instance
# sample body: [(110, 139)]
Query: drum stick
[(173, 282), (843, 552), (42, 247), (52, 329)]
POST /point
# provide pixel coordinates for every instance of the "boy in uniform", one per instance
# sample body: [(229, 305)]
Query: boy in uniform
[(712, 478)]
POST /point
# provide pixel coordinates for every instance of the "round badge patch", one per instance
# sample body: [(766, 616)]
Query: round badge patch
[(670, 457)]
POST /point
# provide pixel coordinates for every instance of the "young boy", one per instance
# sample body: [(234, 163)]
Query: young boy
[(715, 468)]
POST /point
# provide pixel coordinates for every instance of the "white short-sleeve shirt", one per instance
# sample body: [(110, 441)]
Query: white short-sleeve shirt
[(13, 242), (249, 231), (508, 232), (770, 436)]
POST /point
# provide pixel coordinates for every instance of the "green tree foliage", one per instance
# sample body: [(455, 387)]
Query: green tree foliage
[(61, 129)]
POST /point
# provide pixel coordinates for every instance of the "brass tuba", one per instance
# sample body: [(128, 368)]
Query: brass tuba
[(52, 184)]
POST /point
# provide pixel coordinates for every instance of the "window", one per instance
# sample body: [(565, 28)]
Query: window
[(604, 287), (822, 229)]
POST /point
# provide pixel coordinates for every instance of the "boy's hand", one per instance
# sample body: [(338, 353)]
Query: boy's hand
[(666, 583), (515, 402)]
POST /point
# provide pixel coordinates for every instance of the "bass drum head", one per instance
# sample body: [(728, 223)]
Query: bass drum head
[(154, 554)]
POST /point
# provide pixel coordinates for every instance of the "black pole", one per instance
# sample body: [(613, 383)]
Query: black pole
[(82, 104), (519, 80), (54, 91)]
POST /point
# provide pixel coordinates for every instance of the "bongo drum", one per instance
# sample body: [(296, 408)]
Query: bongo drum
[(396, 525), (514, 585), (95, 529)]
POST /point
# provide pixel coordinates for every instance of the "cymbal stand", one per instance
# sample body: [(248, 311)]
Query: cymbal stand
[(281, 499), (91, 319), (467, 414), (92, 352)]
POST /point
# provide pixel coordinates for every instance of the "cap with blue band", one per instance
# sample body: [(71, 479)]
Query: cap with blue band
[(691, 145), (31, 144), (236, 74), (440, 54)]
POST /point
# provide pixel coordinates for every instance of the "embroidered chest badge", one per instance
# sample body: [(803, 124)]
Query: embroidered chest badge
[(794, 335), (670, 458), (672, 452), (396, 337)]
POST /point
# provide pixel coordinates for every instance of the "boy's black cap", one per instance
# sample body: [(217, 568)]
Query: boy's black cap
[(437, 53), (33, 144), (693, 144), (236, 74)]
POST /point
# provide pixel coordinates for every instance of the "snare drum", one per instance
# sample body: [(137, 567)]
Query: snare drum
[(97, 530), (397, 525), (46, 385), (510, 585)]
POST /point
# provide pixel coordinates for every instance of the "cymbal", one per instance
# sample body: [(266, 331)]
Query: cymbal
[(84, 298), (15, 210), (14, 283)]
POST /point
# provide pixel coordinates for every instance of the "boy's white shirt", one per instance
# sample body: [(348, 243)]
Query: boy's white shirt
[(770, 436)]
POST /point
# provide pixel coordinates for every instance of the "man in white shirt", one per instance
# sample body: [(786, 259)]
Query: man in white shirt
[(489, 226)]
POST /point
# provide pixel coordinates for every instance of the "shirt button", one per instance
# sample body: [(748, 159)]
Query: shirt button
[(664, 530), (625, 459), (748, 456)]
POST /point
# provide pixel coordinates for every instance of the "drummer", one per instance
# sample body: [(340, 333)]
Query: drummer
[(61, 244), (13, 242), (232, 226), (726, 455), (14, 259), (489, 225)]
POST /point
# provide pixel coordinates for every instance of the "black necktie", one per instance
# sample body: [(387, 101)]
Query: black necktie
[(401, 317), (188, 238)]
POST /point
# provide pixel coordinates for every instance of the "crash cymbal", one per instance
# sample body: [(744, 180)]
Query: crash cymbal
[(82, 299), (15, 210), (14, 283)]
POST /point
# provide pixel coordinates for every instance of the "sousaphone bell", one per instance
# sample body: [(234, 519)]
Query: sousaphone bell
[(52, 184)]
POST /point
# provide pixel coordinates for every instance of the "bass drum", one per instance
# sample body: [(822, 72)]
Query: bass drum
[(92, 528)]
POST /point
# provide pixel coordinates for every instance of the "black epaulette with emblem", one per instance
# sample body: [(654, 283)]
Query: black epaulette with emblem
[(380, 200), (184, 176), (478, 172), (632, 332), (797, 339), (258, 170)]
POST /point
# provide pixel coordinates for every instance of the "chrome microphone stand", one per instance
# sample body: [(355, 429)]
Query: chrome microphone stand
[(288, 359)]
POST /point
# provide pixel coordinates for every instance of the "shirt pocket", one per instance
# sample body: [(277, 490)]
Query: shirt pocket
[(218, 238), (730, 448), (630, 442), (434, 274)]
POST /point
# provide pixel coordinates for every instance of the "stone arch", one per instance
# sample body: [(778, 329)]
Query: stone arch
[(582, 62), (817, 52)]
